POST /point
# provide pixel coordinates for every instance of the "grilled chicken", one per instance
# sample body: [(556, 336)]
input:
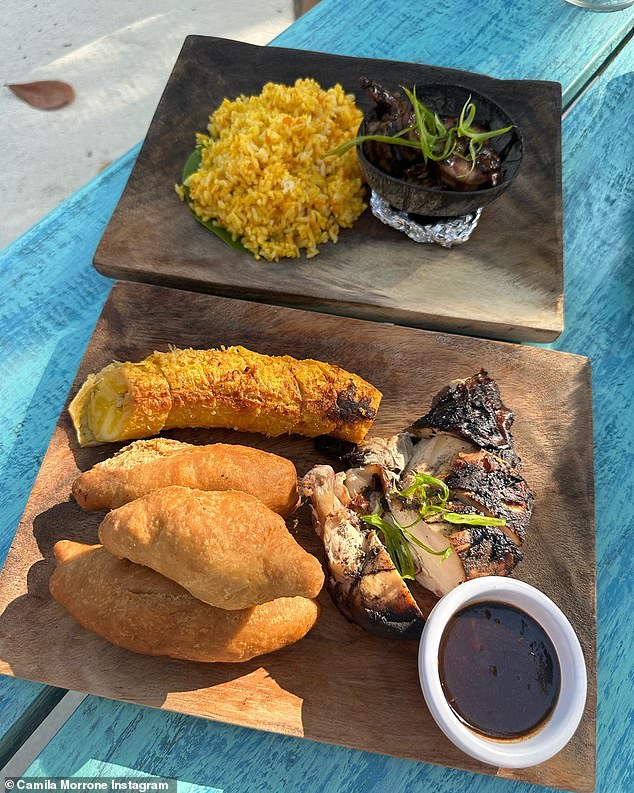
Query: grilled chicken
[(476, 550), (392, 454), (435, 456), (362, 579), (433, 572), (485, 550), (494, 488), (465, 441), (473, 410)]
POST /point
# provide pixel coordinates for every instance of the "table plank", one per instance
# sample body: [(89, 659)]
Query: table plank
[(131, 739), (599, 285), (23, 705), (523, 39), (600, 324)]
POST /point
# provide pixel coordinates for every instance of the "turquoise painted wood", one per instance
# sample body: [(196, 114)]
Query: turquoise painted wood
[(599, 290), (52, 296), (236, 760), (23, 705), (511, 39), (600, 300)]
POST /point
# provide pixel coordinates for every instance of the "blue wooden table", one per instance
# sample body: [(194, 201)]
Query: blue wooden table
[(51, 297)]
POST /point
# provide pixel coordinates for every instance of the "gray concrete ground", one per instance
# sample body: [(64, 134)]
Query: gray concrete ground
[(117, 54)]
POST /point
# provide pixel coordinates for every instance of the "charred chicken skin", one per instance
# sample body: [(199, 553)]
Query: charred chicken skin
[(472, 409), (449, 488), (362, 578)]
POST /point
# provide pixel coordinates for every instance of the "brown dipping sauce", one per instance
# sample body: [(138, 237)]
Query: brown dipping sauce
[(499, 670)]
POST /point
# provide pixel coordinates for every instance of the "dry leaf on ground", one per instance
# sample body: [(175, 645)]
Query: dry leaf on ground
[(44, 94)]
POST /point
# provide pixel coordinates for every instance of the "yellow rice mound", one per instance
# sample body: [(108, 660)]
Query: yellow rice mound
[(263, 174)]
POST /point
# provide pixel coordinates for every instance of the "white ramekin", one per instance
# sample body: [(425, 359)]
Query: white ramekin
[(564, 720)]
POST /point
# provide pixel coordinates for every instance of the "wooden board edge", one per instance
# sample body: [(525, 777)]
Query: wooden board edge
[(281, 729), (123, 284), (586, 370), (194, 38), (544, 333)]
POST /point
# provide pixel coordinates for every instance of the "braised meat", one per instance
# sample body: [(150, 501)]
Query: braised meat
[(467, 167), (393, 114)]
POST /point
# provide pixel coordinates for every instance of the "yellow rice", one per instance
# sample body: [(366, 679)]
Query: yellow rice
[(263, 174)]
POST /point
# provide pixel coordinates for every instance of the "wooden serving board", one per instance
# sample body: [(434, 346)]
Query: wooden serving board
[(506, 282), (339, 684)]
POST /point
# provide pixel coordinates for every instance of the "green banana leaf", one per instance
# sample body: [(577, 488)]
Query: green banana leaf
[(191, 166)]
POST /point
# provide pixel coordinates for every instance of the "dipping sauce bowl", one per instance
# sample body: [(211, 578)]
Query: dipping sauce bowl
[(555, 732)]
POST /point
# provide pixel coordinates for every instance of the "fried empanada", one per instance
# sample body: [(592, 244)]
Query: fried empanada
[(226, 548), (145, 466), (136, 608)]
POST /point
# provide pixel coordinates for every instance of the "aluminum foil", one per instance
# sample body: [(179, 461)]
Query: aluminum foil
[(446, 232)]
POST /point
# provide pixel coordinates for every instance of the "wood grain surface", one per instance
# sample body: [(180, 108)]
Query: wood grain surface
[(338, 685), (506, 282)]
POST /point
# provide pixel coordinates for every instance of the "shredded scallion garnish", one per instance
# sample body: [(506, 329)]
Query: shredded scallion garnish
[(431, 495), (395, 544), (431, 504), (435, 141)]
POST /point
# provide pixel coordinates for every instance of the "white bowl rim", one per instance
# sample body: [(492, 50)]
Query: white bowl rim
[(565, 718)]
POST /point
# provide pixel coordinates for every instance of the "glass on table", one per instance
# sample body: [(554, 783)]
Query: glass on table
[(602, 5)]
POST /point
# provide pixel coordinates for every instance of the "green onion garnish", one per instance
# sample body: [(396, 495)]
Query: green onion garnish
[(395, 544), (431, 494), (472, 520), (431, 504), (435, 141)]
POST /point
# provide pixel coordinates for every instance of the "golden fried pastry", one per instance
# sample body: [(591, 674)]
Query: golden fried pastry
[(144, 466), (232, 387), (136, 608), (226, 548)]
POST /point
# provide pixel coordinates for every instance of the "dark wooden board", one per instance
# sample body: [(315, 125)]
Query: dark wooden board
[(506, 282), (339, 684)]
